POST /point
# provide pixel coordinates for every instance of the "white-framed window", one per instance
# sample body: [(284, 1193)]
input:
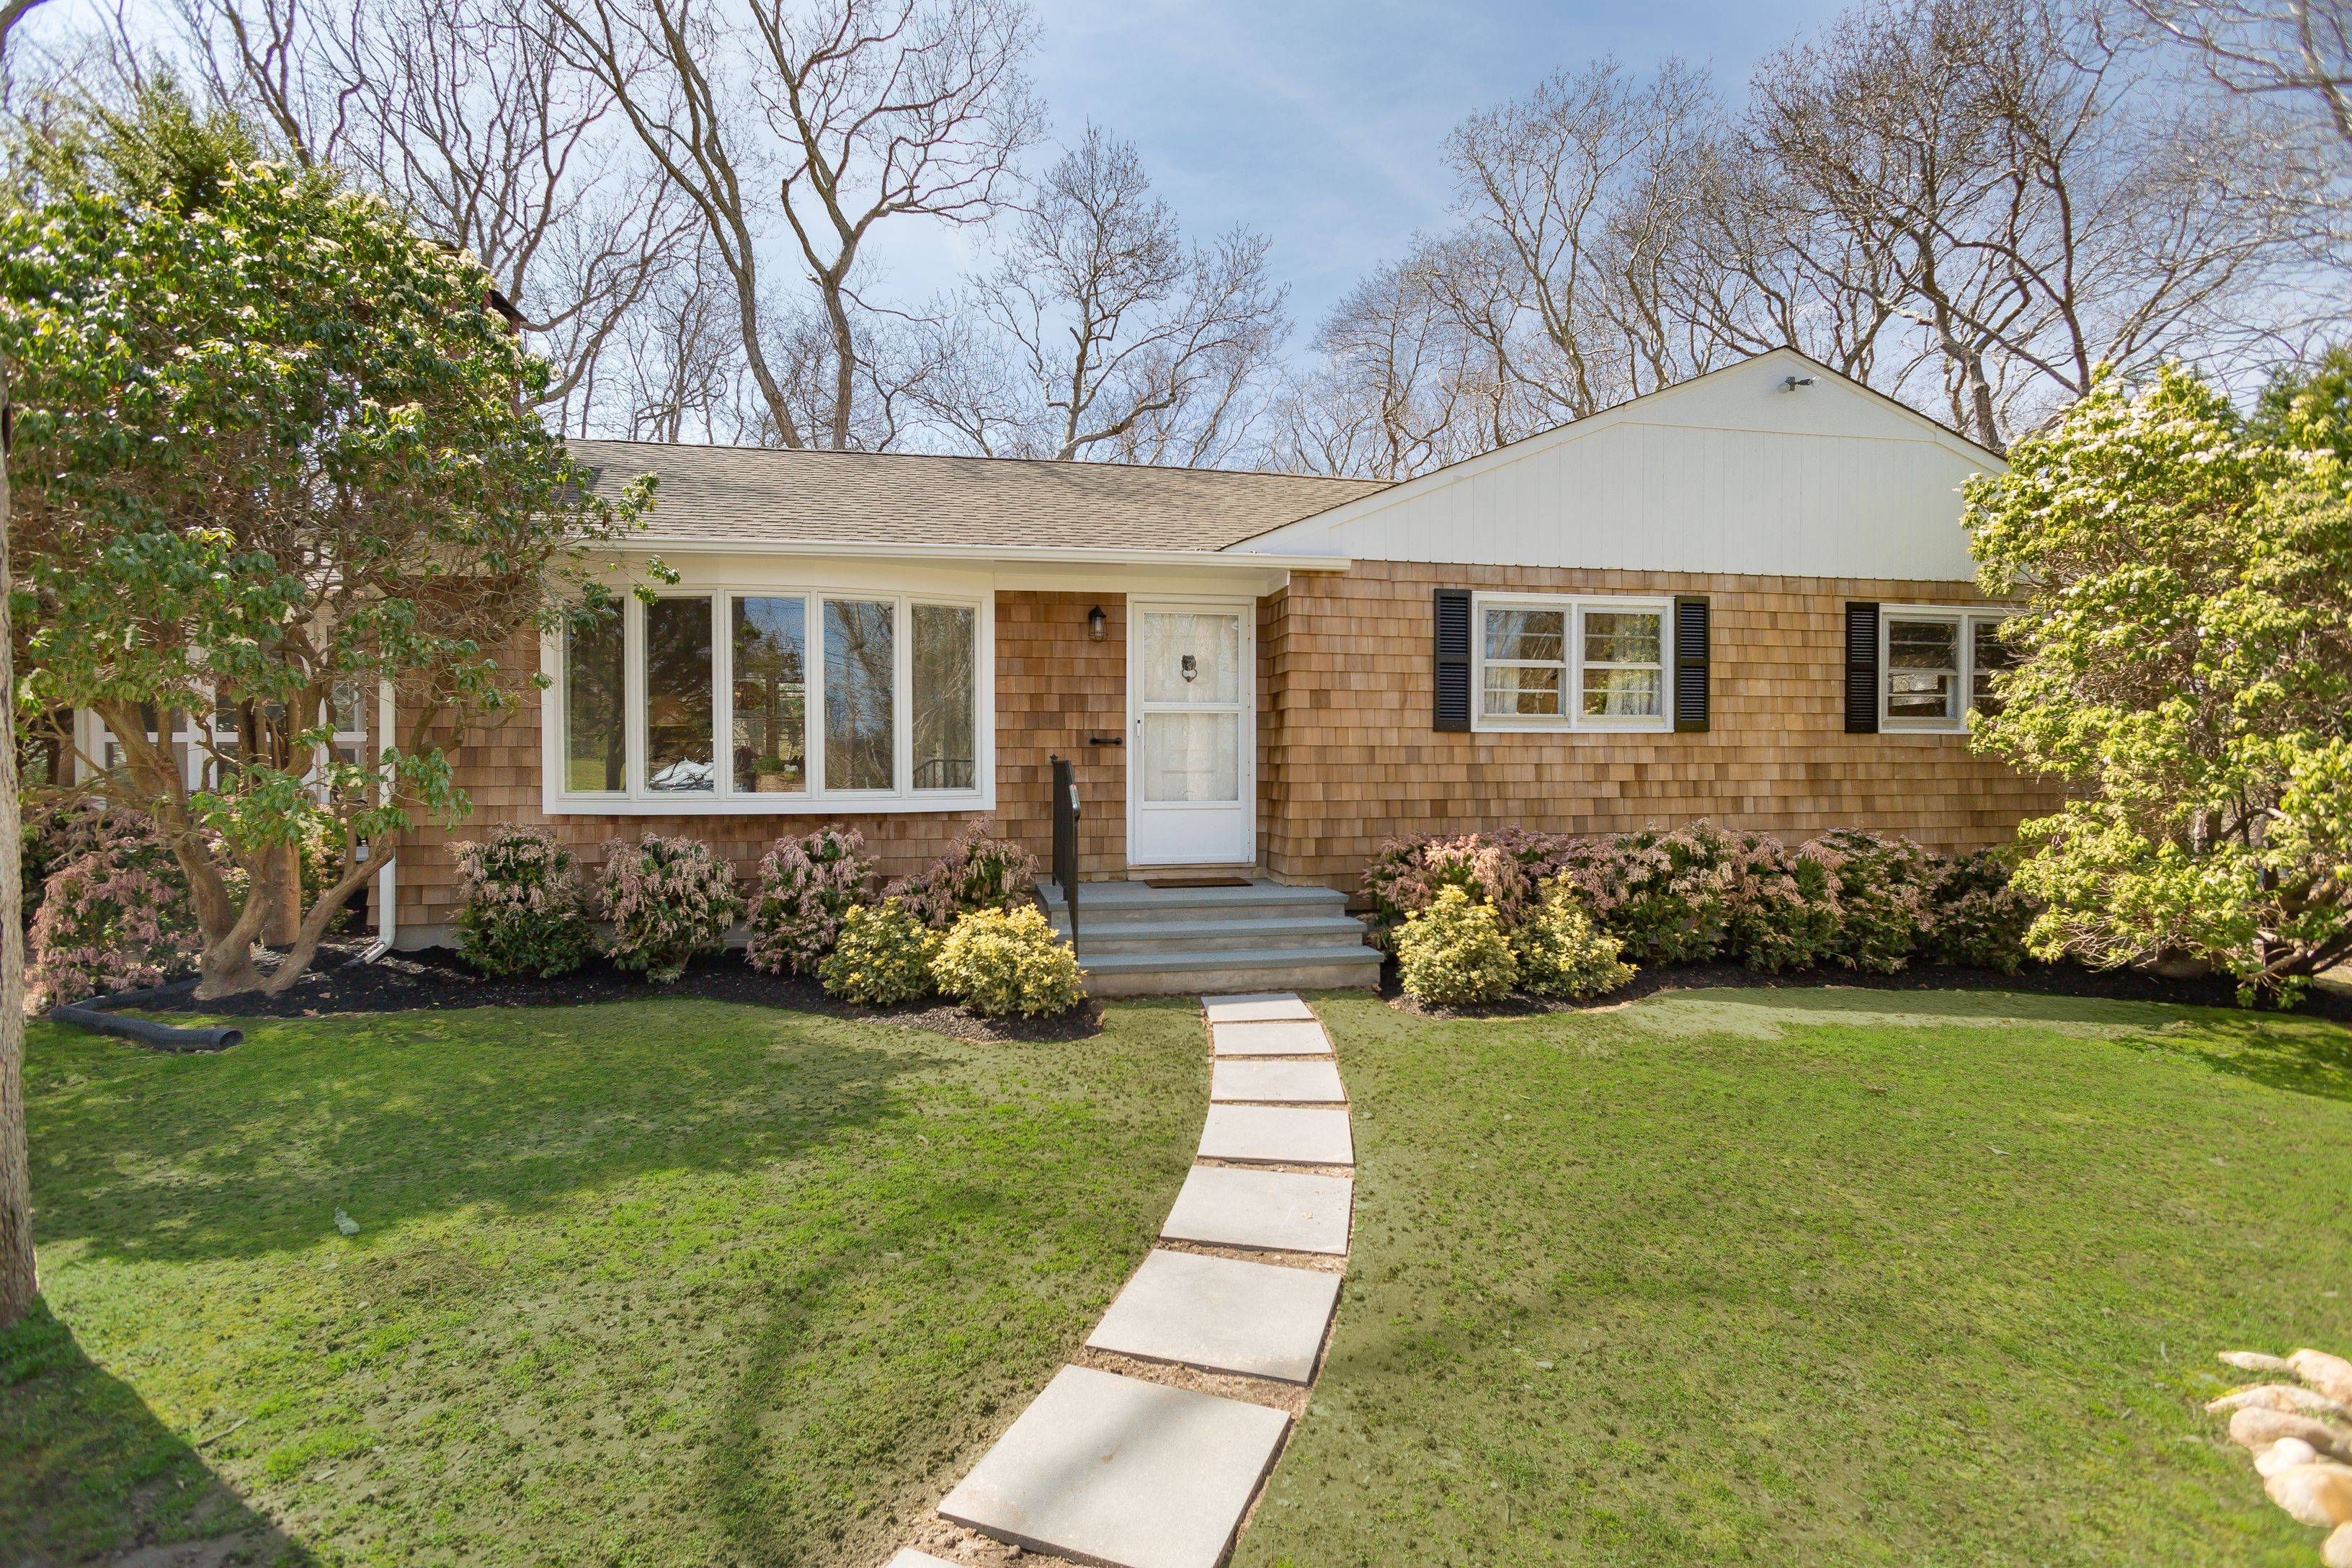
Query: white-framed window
[(754, 699), (203, 744), (1935, 664), (1558, 661)]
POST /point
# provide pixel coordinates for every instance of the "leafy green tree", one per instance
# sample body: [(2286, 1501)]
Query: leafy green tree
[(2187, 670), (271, 449)]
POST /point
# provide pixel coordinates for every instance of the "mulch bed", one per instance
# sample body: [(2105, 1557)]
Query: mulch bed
[(437, 977), (2050, 979)]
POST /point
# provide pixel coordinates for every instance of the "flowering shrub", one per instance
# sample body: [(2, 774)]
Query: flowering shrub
[(1453, 951), (883, 956), (1561, 952), (1665, 892), (1784, 907), (999, 962), (668, 900), (1886, 887), (1502, 868), (1980, 918), (114, 915), (978, 872), (521, 907), (805, 886)]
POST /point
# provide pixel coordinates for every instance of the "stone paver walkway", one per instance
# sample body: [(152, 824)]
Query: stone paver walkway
[(1131, 1467)]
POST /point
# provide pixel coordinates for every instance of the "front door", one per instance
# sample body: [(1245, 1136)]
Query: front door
[(1190, 795)]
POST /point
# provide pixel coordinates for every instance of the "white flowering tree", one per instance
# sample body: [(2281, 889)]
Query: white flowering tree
[(2186, 670)]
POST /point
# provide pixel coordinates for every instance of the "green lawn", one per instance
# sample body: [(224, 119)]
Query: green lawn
[(658, 1283), (1818, 1277)]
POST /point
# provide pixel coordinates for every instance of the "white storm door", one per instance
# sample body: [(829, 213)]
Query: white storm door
[(1191, 792)]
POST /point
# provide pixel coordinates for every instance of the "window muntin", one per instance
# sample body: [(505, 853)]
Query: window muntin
[(1923, 668), (816, 696), (1624, 663), (947, 652), (1526, 662), (1936, 665), (1563, 662), (770, 651)]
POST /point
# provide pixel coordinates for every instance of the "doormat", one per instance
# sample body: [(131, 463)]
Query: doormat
[(1196, 882)]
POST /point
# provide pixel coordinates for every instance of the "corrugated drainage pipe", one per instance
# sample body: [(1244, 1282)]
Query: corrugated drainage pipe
[(95, 1016)]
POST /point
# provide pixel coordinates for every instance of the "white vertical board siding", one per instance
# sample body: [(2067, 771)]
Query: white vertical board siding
[(1730, 473)]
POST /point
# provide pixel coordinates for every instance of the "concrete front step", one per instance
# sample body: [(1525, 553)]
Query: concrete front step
[(1135, 940), (1217, 935), (1105, 905), (1186, 973)]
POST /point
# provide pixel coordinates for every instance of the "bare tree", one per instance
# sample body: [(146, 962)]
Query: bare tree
[(2298, 49), (19, 1280), (825, 122), (1402, 383), (1112, 338), (462, 115), (1582, 189), (2019, 189)]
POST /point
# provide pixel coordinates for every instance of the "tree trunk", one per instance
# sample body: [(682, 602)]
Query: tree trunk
[(283, 870), (18, 1282)]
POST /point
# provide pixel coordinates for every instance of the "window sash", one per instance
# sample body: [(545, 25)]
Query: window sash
[(1960, 679), (819, 783), (1575, 678)]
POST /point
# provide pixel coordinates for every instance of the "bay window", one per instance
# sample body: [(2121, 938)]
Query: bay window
[(1571, 662), (771, 700), (1937, 663)]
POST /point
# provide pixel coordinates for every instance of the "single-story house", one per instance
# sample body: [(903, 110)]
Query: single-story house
[(1746, 597)]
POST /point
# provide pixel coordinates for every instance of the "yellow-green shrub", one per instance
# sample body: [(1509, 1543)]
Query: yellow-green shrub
[(1561, 952), (1455, 950), (999, 962), (882, 957)]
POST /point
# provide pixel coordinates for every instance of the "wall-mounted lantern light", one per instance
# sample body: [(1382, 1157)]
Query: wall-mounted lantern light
[(1095, 622)]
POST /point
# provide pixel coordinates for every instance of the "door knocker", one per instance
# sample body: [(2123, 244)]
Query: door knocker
[(1192, 667)]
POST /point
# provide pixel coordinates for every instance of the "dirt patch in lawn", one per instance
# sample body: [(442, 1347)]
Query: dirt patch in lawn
[(2322, 1001), (437, 977)]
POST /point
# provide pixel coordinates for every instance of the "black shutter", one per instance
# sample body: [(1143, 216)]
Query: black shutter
[(1691, 662), (1452, 645), (1861, 669)]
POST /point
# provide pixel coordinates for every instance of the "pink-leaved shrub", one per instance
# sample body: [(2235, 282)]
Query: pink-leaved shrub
[(666, 901), (114, 912), (978, 872), (522, 908), (1688, 895), (805, 886)]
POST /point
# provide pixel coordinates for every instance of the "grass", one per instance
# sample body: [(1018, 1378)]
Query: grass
[(1809, 1277), (656, 1283)]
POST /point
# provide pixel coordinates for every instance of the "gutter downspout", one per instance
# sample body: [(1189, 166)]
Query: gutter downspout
[(387, 880)]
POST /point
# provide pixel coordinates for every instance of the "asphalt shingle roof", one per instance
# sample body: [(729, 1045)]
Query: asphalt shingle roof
[(752, 495)]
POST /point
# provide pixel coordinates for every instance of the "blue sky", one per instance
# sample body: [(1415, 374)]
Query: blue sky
[(1319, 123)]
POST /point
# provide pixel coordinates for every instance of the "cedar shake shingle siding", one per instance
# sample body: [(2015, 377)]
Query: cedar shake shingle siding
[(1349, 757)]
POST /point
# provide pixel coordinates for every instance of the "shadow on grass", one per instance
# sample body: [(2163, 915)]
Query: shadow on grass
[(253, 1151), (2299, 1055), (88, 1475), (2293, 1052)]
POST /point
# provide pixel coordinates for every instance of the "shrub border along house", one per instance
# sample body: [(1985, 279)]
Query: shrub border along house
[(1462, 913), (968, 925)]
